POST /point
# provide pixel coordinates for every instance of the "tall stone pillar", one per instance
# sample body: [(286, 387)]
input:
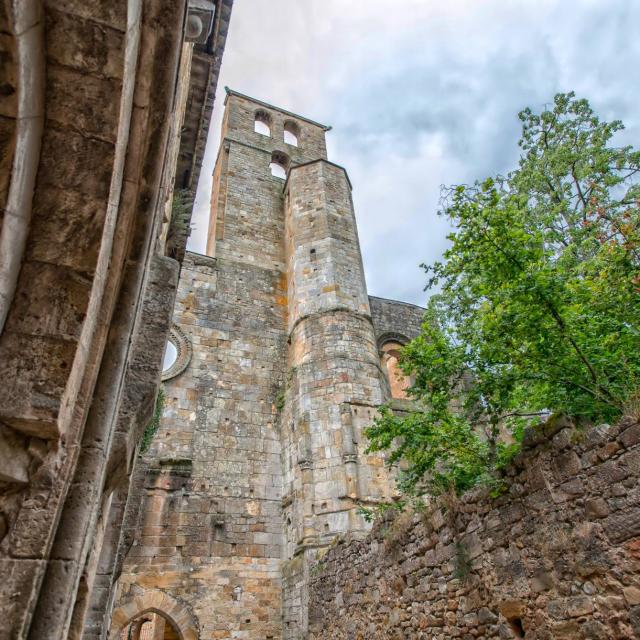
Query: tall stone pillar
[(333, 375)]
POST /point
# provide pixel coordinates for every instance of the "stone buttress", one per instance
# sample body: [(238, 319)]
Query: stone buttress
[(333, 378), (259, 460)]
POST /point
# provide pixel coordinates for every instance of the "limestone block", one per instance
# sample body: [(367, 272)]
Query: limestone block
[(37, 368), (66, 228), (85, 44), (14, 458)]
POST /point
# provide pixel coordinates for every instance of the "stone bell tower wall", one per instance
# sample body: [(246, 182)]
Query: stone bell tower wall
[(333, 382), (247, 219), (260, 458), (211, 530)]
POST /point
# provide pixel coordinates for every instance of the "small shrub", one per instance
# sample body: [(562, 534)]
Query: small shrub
[(154, 424), (396, 533), (280, 399)]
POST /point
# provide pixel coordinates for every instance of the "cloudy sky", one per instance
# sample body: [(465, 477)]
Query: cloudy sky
[(422, 93)]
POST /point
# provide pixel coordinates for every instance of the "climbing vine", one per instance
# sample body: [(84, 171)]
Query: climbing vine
[(154, 424)]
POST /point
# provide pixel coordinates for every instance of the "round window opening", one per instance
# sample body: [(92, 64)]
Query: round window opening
[(177, 354), (170, 356)]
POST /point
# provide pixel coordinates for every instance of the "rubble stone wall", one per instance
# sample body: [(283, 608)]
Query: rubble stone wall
[(555, 557)]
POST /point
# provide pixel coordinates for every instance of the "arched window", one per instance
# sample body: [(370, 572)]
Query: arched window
[(291, 133), (170, 617), (279, 165), (262, 123), (390, 362)]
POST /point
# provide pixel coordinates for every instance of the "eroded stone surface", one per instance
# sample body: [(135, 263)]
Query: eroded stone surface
[(525, 565), (86, 315), (260, 459)]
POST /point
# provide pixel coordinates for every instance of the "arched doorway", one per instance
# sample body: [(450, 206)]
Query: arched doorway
[(390, 363), (154, 615), (150, 626)]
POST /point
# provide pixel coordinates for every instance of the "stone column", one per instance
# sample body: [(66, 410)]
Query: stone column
[(333, 364)]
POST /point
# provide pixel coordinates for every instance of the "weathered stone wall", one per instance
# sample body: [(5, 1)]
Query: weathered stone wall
[(92, 106), (334, 378), (85, 259), (260, 458), (556, 557), (395, 321), (211, 532), (242, 182)]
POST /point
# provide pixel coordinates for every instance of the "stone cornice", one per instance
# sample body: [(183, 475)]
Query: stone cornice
[(231, 92)]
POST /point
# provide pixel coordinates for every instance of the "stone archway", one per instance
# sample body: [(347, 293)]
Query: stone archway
[(156, 601), (389, 347)]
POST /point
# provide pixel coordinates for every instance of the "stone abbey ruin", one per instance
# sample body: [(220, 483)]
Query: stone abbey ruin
[(236, 511), (259, 461)]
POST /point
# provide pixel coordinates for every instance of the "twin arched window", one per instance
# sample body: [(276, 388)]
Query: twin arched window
[(262, 125)]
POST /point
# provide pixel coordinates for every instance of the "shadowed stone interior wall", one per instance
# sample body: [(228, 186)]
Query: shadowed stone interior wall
[(91, 120), (556, 557)]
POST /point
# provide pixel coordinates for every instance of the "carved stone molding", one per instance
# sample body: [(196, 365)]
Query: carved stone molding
[(183, 346)]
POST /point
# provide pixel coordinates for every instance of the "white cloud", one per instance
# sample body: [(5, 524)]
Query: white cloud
[(422, 93)]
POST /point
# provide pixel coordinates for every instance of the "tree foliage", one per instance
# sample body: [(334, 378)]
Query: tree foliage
[(536, 307)]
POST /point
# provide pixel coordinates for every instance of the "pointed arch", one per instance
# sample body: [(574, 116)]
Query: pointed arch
[(156, 601)]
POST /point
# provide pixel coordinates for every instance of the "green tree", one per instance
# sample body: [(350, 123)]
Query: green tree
[(536, 310)]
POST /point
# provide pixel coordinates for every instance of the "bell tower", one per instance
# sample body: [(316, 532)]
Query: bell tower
[(259, 462)]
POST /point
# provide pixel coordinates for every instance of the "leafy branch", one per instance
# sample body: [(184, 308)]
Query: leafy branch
[(535, 307), (154, 424)]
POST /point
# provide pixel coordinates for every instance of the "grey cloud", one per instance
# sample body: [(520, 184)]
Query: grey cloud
[(424, 95)]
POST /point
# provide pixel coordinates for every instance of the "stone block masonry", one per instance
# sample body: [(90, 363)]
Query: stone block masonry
[(211, 533), (555, 558), (260, 458), (99, 100)]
